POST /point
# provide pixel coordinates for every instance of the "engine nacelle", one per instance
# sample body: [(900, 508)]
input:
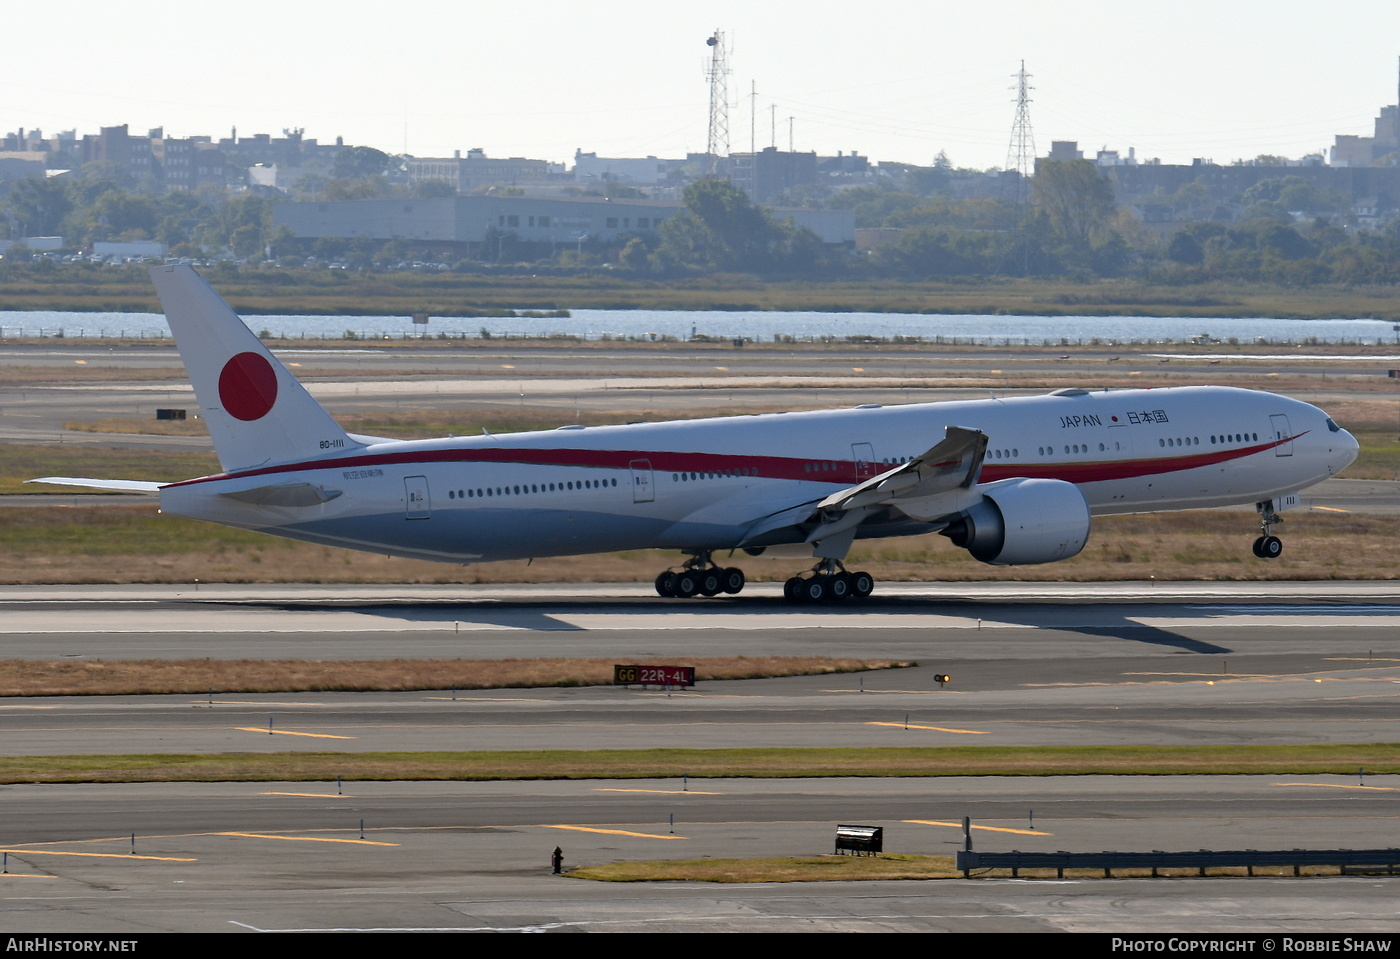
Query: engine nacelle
[(1021, 522)]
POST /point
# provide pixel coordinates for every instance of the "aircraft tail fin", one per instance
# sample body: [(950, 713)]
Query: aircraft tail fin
[(256, 411)]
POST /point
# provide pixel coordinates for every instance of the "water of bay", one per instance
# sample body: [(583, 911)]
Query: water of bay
[(755, 326)]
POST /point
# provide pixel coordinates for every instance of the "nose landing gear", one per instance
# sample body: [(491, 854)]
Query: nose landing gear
[(1267, 546)]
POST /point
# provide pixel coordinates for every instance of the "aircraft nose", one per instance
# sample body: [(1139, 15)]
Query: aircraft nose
[(1344, 451)]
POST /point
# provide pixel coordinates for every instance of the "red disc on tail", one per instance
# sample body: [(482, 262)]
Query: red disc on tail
[(248, 386)]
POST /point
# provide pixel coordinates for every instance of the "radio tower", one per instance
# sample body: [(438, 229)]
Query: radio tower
[(718, 75), (1020, 156)]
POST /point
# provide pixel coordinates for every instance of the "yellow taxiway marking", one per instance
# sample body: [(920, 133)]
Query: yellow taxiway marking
[(613, 832), (260, 835), (722, 368), (81, 362), (1384, 789), (507, 366), (294, 364), (28, 707), (284, 732), (666, 792), (307, 795), (94, 855), (958, 825), (1332, 509), (940, 729), (25, 875)]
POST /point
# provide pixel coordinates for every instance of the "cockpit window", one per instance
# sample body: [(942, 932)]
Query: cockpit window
[(1332, 425)]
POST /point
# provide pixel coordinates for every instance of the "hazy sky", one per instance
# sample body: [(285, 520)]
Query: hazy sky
[(1223, 79)]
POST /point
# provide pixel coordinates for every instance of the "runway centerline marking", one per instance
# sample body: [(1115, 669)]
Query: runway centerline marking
[(958, 825), (940, 729), (1384, 789), (285, 732), (613, 832), (306, 795), (664, 792), (483, 699), (260, 835)]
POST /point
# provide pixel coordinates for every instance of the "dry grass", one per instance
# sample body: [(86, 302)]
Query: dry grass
[(200, 676), (87, 373), (788, 869), (762, 763), (149, 427)]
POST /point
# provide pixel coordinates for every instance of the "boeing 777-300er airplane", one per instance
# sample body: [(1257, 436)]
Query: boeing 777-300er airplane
[(1012, 481)]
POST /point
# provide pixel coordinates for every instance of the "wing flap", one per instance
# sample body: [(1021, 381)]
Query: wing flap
[(952, 464), (929, 486)]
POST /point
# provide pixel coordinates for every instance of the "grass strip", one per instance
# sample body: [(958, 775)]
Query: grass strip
[(764, 763), (19, 677), (783, 869), (883, 866)]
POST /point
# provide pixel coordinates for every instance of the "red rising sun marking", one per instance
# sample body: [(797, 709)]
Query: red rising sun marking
[(248, 386)]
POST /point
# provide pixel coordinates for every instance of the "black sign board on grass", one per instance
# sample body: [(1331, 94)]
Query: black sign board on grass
[(654, 675)]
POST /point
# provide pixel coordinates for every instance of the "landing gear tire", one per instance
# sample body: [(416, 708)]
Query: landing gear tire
[(666, 584), (1270, 547), (731, 580), (710, 583), (839, 587), (687, 584), (813, 590), (790, 589), (862, 585)]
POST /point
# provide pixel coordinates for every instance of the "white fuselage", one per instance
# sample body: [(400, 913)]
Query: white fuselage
[(704, 484)]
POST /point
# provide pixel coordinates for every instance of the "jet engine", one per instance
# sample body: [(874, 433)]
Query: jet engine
[(1021, 522)]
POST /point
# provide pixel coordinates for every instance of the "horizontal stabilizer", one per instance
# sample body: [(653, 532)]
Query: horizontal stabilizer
[(290, 494), (113, 486)]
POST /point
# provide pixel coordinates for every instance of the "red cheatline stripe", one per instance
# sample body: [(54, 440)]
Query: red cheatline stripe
[(768, 467)]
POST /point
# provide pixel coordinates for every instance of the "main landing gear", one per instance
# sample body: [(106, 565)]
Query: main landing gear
[(1267, 546), (827, 582), (699, 577)]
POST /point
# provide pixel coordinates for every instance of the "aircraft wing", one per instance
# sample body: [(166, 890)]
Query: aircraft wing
[(930, 486), (952, 464), (117, 486)]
